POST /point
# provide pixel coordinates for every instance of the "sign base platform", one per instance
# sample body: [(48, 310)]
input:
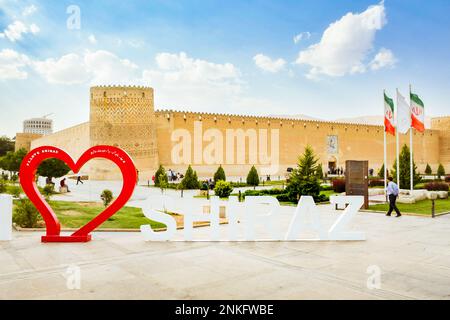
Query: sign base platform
[(84, 238)]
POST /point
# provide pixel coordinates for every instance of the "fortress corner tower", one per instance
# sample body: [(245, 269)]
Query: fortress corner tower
[(123, 116)]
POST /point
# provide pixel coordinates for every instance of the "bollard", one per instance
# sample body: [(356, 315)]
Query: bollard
[(5, 217)]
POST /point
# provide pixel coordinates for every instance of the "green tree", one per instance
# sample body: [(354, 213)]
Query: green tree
[(53, 168), (160, 175), (319, 172), (381, 172), (220, 174), (2, 186), (303, 180), (404, 164), (107, 197), (6, 145), (12, 160), (428, 170), (253, 177), (440, 171), (223, 189), (190, 180)]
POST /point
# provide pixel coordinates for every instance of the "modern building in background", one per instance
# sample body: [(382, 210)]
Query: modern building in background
[(33, 129), (38, 126)]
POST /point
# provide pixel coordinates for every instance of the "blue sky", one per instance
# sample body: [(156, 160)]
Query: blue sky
[(222, 56)]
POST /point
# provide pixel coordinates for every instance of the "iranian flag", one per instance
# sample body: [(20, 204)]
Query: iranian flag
[(417, 113), (389, 115)]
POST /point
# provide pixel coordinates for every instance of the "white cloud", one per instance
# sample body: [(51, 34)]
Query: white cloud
[(106, 68), (99, 67), (92, 39), (69, 69), (345, 44), (28, 11), (12, 64), (267, 64), (17, 29), (301, 36), (384, 59), (183, 81), (34, 29)]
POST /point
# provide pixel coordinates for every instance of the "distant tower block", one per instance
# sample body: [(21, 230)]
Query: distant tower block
[(123, 117)]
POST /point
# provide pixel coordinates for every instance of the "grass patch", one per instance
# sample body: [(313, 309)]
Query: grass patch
[(77, 214), (421, 207)]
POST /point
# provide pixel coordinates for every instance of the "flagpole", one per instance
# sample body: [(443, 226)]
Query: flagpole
[(397, 145), (385, 154), (411, 165)]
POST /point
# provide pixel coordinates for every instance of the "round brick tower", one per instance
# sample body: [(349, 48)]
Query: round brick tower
[(123, 116)]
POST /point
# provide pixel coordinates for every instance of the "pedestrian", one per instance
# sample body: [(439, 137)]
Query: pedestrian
[(79, 180), (392, 192)]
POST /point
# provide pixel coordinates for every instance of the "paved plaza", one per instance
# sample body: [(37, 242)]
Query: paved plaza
[(411, 252)]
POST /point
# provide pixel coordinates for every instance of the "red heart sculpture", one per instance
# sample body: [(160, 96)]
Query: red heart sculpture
[(27, 176)]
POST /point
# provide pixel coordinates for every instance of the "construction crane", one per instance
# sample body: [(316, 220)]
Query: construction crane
[(47, 115)]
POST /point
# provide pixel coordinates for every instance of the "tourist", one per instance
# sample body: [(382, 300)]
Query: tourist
[(392, 192), (63, 185)]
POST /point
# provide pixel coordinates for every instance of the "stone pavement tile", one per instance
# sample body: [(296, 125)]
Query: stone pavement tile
[(417, 286), (263, 249), (304, 260), (180, 278)]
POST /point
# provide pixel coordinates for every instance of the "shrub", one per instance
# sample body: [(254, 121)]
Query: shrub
[(107, 197), (190, 180), (283, 197), (219, 175), (428, 170), (376, 183), (5, 176), (447, 179), (160, 176), (223, 189), (339, 185), (326, 188), (14, 178), (440, 171), (26, 215), (48, 190), (15, 191), (2, 186), (252, 177), (264, 192), (437, 186)]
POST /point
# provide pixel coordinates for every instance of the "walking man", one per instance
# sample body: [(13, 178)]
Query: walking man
[(392, 193), (79, 180)]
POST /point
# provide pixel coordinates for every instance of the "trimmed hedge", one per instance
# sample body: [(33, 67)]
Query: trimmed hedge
[(376, 183), (437, 186)]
